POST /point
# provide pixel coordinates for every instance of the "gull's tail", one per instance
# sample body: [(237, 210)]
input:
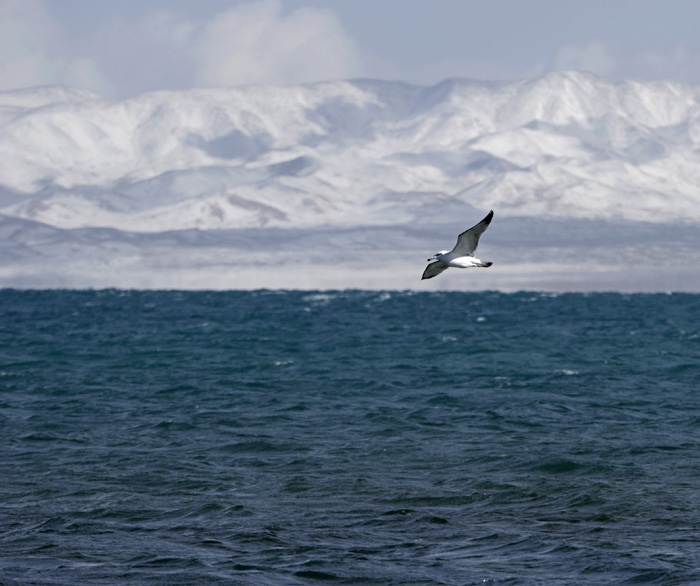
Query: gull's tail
[(485, 264)]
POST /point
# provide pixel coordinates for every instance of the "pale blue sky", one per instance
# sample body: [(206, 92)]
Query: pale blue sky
[(131, 46)]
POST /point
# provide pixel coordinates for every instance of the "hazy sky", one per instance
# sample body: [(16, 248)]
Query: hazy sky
[(122, 48)]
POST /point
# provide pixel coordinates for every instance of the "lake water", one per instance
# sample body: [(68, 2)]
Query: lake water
[(265, 438)]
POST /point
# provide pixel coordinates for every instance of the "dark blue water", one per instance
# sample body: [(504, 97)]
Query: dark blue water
[(260, 438)]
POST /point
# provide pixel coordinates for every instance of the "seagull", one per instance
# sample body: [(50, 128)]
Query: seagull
[(462, 255)]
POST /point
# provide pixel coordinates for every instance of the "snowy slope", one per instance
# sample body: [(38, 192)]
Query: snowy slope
[(351, 153), (190, 184)]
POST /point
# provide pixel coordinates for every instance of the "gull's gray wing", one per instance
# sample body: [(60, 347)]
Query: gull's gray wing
[(434, 269), (468, 241)]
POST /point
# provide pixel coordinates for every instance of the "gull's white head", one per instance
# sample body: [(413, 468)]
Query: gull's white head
[(437, 255)]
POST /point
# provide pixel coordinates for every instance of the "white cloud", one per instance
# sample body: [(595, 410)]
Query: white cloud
[(594, 57), (85, 73), (32, 50), (677, 63), (255, 43), (26, 36), (151, 53)]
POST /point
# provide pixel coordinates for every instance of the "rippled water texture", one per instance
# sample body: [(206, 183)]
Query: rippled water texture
[(253, 438)]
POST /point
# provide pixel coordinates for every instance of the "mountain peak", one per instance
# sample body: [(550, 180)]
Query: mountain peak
[(339, 152)]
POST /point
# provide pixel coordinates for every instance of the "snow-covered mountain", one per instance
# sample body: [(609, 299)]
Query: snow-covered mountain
[(331, 158)]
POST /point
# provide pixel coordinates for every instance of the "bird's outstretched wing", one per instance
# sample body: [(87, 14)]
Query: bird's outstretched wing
[(434, 269), (468, 241)]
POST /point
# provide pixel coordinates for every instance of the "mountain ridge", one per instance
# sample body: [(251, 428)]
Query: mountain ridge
[(348, 155), (560, 143)]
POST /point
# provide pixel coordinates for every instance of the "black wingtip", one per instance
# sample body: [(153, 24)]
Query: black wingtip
[(487, 219)]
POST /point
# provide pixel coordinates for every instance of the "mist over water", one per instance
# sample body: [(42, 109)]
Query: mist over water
[(273, 437)]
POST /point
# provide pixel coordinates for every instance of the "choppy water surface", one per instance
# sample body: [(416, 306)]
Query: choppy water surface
[(349, 438)]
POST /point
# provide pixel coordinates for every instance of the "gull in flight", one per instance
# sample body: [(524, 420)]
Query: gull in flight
[(462, 255)]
